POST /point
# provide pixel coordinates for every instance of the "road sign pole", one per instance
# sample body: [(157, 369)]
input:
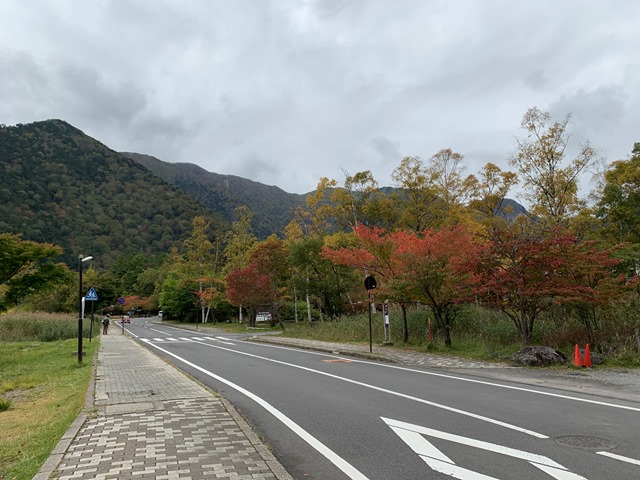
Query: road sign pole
[(370, 329), (91, 325), (370, 284), (122, 301)]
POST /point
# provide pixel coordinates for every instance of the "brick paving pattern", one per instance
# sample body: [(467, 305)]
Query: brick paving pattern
[(149, 421)]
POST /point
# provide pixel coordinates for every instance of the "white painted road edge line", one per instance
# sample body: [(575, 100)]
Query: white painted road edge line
[(384, 390), (453, 377), (334, 458)]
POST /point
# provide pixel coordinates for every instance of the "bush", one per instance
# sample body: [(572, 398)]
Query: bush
[(287, 312), (5, 404)]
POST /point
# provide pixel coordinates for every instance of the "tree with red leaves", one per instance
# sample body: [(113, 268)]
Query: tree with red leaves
[(261, 281), (249, 286), (431, 265), (376, 255), (524, 275), (413, 266)]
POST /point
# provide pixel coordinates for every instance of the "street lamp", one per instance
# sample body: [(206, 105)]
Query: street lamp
[(80, 298)]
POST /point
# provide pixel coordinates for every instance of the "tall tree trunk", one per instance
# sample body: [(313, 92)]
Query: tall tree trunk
[(405, 325), (308, 307), (295, 303)]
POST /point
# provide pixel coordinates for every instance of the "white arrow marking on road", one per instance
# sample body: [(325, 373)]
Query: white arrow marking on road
[(384, 390), (412, 435)]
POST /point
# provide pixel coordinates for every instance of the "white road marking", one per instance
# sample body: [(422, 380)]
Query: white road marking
[(384, 390), (157, 339), (453, 377), (619, 457), (412, 435), (329, 454), (219, 339), (156, 330)]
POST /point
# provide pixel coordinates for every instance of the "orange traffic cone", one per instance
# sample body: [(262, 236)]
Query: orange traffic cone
[(577, 360), (587, 356)]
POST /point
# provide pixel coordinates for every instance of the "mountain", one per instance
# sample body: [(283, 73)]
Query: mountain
[(510, 209), (272, 207), (61, 186)]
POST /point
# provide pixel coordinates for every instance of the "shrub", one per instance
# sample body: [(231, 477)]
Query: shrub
[(5, 404)]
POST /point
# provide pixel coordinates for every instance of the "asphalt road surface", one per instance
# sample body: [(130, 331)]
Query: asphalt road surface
[(331, 417)]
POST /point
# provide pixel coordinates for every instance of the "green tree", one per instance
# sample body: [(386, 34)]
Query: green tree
[(361, 202), (200, 261), (239, 244), (328, 284), (26, 267), (240, 241), (416, 195), (620, 202), (551, 182)]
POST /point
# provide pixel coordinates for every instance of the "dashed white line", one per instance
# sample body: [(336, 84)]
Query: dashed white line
[(384, 390)]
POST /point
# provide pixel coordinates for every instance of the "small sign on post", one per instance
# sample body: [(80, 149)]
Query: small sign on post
[(92, 297), (122, 301), (387, 326)]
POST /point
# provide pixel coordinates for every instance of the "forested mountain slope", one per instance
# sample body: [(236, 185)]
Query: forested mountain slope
[(61, 186), (272, 207)]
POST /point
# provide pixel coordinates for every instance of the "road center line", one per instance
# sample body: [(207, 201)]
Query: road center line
[(384, 390), (462, 379), (334, 458)]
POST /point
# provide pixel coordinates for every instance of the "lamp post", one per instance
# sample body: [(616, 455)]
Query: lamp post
[(80, 298)]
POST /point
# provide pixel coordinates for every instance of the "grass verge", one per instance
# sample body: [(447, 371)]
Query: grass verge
[(45, 389)]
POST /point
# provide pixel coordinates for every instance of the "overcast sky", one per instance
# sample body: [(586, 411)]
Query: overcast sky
[(285, 92)]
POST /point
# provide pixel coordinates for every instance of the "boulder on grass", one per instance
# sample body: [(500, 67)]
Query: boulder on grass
[(538, 357)]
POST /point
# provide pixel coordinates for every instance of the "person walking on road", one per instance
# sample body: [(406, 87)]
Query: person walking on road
[(105, 324)]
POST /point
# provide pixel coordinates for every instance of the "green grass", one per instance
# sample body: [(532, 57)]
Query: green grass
[(476, 334), (44, 327), (44, 387)]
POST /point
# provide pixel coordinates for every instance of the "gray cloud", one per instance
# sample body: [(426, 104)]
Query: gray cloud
[(288, 91)]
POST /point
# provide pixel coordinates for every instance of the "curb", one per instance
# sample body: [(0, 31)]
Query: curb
[(51, 464), (351, 353), (271, 461)]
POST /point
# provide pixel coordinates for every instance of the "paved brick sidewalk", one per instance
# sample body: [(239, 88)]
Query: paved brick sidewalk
[(149, 421)]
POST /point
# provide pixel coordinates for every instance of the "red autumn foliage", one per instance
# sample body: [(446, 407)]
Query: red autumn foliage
[(523, 276)]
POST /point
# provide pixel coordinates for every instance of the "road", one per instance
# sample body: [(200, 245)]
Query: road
[(331, 417)]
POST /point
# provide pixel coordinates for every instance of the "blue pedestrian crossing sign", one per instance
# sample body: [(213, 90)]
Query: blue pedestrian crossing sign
[(91, 295)]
